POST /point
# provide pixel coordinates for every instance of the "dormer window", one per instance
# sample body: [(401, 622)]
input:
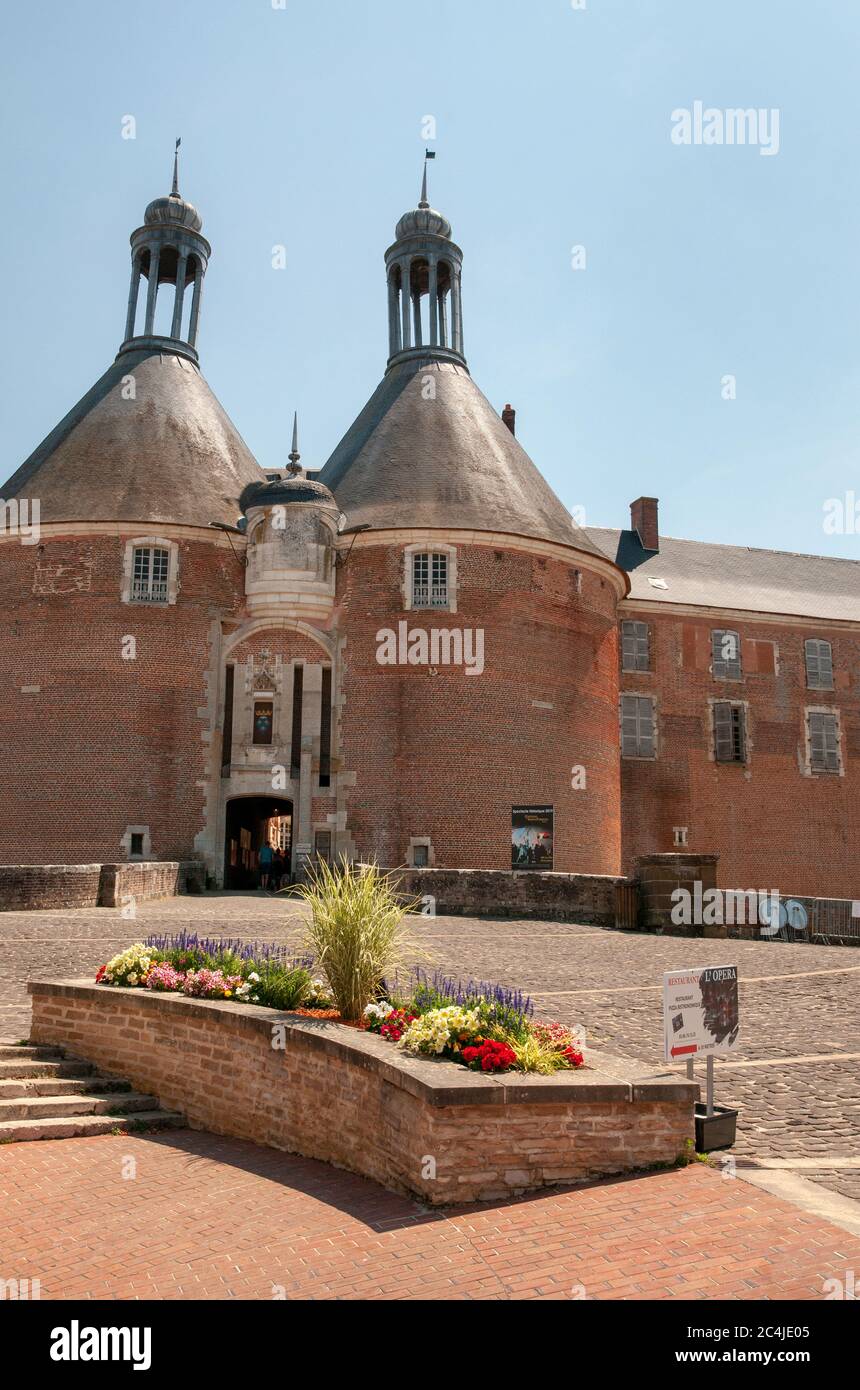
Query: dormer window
[(430, 580), (149, 576)]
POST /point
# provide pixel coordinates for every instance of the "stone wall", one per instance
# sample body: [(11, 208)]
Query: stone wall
[(422, 1126), (31, 887), (34, 886), (586, 898)]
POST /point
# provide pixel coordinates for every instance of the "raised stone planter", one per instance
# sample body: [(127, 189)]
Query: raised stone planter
[(418, 1125)]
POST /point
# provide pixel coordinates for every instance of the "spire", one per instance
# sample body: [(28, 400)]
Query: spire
[(171, 254), (294, 466), (425, 311)]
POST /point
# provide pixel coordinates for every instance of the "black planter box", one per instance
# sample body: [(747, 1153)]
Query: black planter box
[(715, 1131)]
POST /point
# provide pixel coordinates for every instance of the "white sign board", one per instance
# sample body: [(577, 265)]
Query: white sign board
[(700, 1011)]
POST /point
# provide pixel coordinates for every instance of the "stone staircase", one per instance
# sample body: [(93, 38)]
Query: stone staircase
[(45, 1095)]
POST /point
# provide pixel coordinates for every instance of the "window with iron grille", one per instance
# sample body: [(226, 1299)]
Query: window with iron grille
[(635, 654), (819, 664), (149, 574), (638, 734), (730, 734), (823, 741), (429, 580), (726, 655)]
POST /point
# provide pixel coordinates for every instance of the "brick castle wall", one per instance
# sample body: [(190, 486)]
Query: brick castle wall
[(441, 754), (93, 742), (771, 825)]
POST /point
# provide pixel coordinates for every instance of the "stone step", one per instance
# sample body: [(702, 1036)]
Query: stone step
[(13, 1071), (61, 1086), (63, 1107), (20, 1131), (10, 1053)]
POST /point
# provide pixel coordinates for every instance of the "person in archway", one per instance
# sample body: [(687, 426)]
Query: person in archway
[(267, 856)]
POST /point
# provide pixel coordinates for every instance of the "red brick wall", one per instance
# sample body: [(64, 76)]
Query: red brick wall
[(448, 755), (771, 826), (105, 742), (352, 1099)]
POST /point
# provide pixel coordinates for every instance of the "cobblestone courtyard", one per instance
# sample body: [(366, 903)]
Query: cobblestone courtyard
[(795, 1076)]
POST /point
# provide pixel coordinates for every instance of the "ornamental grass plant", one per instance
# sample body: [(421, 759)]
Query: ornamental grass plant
[(357, 931)]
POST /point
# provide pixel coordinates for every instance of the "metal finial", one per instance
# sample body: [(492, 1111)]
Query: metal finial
[(424, 203), (175, 191), (294, 465)]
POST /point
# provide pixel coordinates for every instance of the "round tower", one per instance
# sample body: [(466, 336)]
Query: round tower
[(112, 619), (479, 671)]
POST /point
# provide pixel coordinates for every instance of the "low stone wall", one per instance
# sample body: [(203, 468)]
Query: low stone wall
[(31, 887), (418, 1125), (586, 898)]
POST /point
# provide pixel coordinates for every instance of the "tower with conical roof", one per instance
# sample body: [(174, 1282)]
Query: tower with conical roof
[(457, 543)]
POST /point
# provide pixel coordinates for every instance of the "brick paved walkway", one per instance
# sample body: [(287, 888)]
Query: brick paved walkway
[(797, 1002), (205, 1217)]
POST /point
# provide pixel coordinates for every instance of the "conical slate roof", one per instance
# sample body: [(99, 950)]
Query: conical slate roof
[(169, 454), (448, 461)]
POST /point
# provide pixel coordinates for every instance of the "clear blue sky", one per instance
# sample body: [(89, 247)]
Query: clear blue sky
[(302, 126)]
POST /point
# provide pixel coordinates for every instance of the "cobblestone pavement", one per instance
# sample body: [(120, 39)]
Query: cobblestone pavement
[(795, 1077), (191, 1215)]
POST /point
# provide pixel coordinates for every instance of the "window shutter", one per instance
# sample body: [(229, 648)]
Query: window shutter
[(823, 742), (819, 664), (726, 654), (635, 654), (724, 744), (637, 726)]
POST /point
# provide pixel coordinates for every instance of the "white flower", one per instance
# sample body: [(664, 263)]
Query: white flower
[(253, 978), (133, 979)]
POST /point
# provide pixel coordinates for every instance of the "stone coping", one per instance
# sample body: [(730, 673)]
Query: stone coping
[(436, 1081)]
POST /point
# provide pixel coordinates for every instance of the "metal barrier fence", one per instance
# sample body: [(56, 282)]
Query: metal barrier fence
[(832, 921)]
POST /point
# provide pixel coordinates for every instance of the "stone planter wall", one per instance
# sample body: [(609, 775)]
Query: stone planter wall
[(417, 1125)]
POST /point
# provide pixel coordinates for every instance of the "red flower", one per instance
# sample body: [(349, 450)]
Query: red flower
[(101, 974), (489, 1056)]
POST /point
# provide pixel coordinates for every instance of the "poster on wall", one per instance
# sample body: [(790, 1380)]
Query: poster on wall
[(531, 837)]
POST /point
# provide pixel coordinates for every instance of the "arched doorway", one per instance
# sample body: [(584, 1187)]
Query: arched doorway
[(251, 821)]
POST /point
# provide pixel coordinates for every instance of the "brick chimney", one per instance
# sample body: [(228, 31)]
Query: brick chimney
[(509, 417), (643, 518)]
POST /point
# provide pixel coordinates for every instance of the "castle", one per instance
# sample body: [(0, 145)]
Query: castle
[(199, 648)]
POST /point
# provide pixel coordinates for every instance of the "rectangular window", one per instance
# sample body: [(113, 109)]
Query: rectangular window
[(136, 843), (730, 738), (726, 655), (296, 738), (637, 727), (635, 655), (149, 574), (325, 728), (420, 856), (823, 741), (322, 844), (264, 716), (430, 580), (227, 736), (819, 664)]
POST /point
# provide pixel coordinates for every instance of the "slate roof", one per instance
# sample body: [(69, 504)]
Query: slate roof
[(171, 454), (732, 576), (442, 462)]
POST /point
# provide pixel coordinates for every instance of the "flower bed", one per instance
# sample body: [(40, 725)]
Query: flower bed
[(486, 1027)]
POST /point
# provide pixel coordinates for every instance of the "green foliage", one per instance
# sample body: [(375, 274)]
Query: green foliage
[(282, 987), (535, 1055), (356, 930)]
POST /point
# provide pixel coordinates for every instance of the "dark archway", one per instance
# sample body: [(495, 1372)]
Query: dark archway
[(249, 825)]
